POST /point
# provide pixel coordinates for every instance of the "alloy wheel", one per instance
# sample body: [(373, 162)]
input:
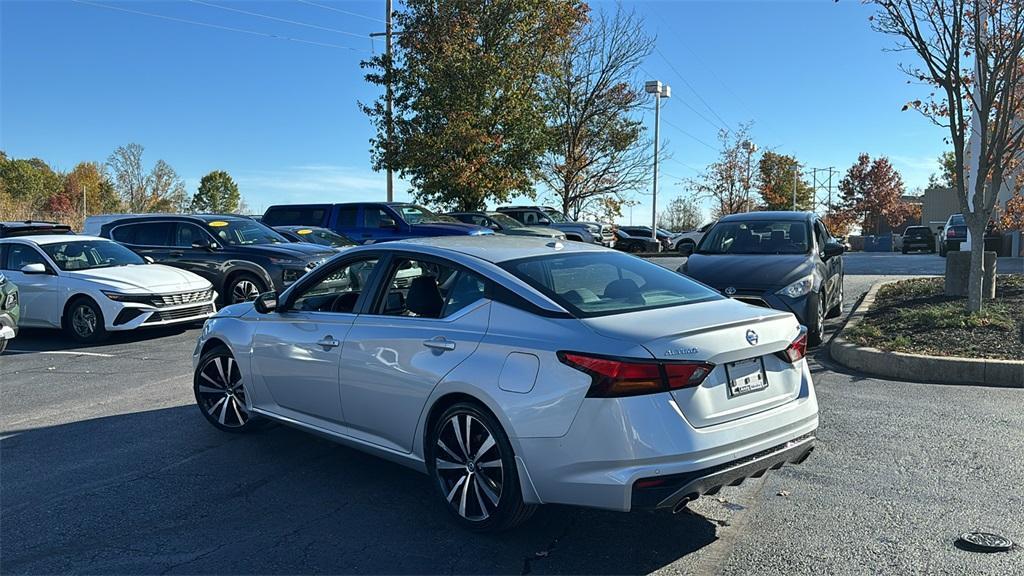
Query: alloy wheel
[(244, 291), (83, 321), (221, 392), (820, 316), (468, 466)]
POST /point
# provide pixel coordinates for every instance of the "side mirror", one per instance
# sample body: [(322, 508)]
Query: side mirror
[(266, 302), (686, 248), (833, 249), (544, 221), (33, 269), (387, 223)]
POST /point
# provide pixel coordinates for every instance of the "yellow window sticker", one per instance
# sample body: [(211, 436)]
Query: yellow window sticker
[(217, 224), (304, 231)]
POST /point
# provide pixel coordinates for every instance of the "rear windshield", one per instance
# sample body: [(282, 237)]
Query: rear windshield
[(603, 283), (918, 230), (957, 220)]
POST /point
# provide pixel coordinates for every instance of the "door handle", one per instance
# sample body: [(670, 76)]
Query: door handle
[(328, 342), (439, 343)]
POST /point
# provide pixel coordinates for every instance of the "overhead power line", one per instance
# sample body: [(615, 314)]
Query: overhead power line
[(219, 26), (340, 11), (692, 89), (687, 134), (276, 19), (691, 108)]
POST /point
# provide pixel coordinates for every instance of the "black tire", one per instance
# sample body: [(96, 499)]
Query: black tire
[(83, 321), (220, 392), (243, 287), (491, 499), (816, 328)]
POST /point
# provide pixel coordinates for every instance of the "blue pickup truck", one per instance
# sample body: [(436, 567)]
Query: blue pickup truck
[(366, 222)]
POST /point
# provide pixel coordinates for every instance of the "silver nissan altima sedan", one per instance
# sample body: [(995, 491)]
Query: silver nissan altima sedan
[(517, 372)]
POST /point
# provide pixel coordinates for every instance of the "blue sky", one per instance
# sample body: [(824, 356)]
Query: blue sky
[(77, 80)]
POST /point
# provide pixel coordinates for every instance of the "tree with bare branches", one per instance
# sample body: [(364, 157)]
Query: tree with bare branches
[(728, 180), (971, 53), (593, 104)]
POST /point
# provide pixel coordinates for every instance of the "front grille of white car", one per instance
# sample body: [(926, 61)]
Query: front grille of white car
[(164, 300), (180, 313)]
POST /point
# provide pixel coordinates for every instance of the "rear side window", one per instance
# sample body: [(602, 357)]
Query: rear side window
[(144, 234), (21, 255), (347, 216), (604, 283), (295, 216)]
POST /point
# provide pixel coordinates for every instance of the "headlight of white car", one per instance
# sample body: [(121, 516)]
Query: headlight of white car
[(801, 287)]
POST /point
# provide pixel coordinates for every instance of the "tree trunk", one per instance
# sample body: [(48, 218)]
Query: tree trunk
[(977, 276)]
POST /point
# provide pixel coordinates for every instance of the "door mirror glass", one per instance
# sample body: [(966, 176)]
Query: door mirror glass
[(833, 249), (686, 248), (266, 302), (543, 221), (33, 269), (387, 223)]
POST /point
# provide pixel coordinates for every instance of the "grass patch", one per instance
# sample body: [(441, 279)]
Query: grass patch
[(916, 316)]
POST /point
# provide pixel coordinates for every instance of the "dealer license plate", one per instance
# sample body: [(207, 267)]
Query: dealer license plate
[(746, 376)]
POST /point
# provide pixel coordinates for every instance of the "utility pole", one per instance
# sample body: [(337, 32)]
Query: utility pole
[(660, 91), (84, 211), (388, 100), (829, 189), (796, 174)]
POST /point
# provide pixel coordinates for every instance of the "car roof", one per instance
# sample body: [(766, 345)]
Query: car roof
[(43, 239), (494, 249), (771, 215)]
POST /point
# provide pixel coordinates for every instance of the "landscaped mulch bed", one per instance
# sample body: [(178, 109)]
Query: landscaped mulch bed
[(915, 316)]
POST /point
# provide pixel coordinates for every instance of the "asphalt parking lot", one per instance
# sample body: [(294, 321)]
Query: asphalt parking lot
[(108, 467)]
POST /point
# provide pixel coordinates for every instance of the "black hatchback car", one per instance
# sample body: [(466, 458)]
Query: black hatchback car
[(782, 260), (918, 238), (239, 256)]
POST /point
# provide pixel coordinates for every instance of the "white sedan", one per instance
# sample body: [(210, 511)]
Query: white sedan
[(90, 286)]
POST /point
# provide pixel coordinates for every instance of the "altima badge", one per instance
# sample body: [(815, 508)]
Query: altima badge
[(751, 337), (730, 291), (681, 352)]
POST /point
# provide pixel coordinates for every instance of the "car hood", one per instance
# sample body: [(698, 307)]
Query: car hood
[(747, 271), (450, 228), (148, 278), (533, 231), (304, 251)]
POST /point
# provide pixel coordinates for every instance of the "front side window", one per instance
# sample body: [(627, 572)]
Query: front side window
[(21, 255), (414, 214), (599, 284), (757, 237), (189, 235), (339, 291), (243, 233), (90, 254), (323, 237), (556, 216), (429, 290)]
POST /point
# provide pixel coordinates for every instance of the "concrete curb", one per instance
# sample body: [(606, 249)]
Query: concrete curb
[(918, 368)]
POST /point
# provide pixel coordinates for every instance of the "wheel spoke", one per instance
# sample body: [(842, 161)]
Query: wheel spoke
[(234, 406), (458, 437), (491, 464), (449, 451), (479, 499), (213, 409), (469, 438), (465, 492), (446, 465), (488, 491), (210, 390), (455, 488), (223, 412), (242, 406), (231, 365), (487, 445), (211, 380), (220, 370)]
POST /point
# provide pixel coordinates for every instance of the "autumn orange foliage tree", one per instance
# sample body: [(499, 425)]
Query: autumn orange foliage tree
[(872, 190)]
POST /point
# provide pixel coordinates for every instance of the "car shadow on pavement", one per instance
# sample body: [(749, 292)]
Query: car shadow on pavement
[(43, 340), (163, 492)]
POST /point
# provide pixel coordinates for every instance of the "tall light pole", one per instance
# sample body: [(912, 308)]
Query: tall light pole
[(660, 91), (388, 98), (750, 148)]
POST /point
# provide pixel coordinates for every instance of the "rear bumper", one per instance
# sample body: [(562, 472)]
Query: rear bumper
[(678, 489)]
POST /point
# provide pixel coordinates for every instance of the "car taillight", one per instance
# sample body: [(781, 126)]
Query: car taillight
[(617, 377), (797, 349)]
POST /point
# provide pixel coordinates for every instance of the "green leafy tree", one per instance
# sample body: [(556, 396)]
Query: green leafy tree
[(469, 122), (29, 183), (217, 194), (946, 178), (775, 183), (593, 102), (88, 179)]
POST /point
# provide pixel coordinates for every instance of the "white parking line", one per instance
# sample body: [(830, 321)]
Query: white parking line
[(63, 352)]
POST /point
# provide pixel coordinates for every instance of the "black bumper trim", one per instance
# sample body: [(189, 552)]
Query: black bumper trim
[(679, 488)]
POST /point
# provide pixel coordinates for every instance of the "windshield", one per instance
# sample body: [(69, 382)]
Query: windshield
[(323, 237), (556, 216), (89, 254), (756, 237), (603, 283), (505, 221), (414, 214), (243, 233)]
